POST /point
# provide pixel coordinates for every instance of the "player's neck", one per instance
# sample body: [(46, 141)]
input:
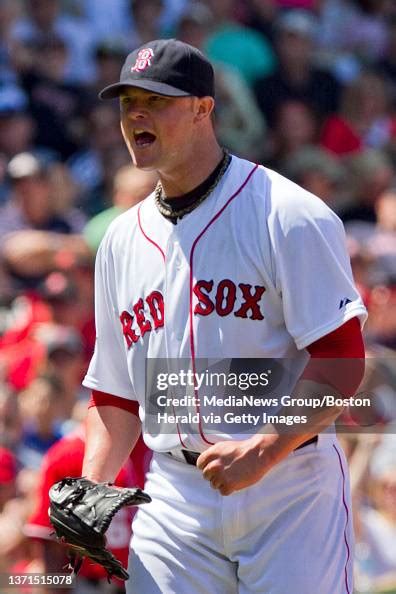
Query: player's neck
[(193, 171)]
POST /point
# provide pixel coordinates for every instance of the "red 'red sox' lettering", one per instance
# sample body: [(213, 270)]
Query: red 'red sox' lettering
[(224, 303), (155, 302), (225, 298), (204, 306), (251, 302), (144, 325), (156, 305), (129, 334)]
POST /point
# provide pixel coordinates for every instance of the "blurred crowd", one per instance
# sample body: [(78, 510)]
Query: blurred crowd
[(306, 87)]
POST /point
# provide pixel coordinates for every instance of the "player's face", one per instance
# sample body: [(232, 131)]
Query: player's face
[(157, 129)]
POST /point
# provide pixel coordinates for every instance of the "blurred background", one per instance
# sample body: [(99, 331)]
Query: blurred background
[(306, 87)]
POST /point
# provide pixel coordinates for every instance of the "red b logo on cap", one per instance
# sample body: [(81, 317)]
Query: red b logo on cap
[(143, 60)]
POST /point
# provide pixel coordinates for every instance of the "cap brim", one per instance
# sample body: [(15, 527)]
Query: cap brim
[(114, 91)]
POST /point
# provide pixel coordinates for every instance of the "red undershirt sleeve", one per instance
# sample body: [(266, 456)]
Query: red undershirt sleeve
[(343, 350), (103, 399)]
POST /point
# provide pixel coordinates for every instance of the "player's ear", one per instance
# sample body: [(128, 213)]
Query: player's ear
[(203, 108)]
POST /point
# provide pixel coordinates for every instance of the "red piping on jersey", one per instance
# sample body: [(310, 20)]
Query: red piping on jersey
[(147, 237), (212, 220), (346, 522), (163, 257)]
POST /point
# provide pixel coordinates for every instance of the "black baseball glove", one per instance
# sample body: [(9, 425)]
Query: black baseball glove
[(81, 511)]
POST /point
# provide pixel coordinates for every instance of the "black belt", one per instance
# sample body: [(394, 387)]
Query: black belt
[(192, 457), (308, 442)]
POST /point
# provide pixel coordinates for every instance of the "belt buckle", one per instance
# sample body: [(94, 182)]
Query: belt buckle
[(185, 456), (190, 457)]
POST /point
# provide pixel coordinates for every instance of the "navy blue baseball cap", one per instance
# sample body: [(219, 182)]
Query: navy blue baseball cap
[(166, 67)]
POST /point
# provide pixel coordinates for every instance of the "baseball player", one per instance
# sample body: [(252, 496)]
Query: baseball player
[(226, 260)]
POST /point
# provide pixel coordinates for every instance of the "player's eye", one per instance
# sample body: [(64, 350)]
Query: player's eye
[(125, 100), (156, 99)]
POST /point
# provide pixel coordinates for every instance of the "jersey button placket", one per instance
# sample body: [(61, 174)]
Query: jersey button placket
[(177, 297)]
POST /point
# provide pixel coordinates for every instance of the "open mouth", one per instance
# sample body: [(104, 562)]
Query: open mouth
[(143, 138)]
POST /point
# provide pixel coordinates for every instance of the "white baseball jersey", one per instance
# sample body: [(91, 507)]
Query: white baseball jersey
[(258, 270)]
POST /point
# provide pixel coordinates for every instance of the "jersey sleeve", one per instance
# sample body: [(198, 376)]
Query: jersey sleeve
[(313, 270), (108, 369)]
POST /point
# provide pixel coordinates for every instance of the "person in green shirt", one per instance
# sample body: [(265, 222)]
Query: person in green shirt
[(131, 185), (243, 48)]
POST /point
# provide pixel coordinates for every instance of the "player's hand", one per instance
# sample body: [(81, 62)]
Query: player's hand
[(234, 465)]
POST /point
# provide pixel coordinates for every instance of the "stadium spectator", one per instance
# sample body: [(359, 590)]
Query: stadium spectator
[(376, 543), (43, 18), (8, 474), (64, 361), (40, 410), (357, 28), (242, 48), (131, 185), (318, 172), (385, 211), (55, 332), (100, 14), (21, 355), (373, 255), (146, 20), (32, 212), (10, 421), (29, 255), (370, 174), (259, 15), (109, 57), (296, 77), (94, 166), (195, 24), (387, 64), (17, 127), (365, 119), (295, 126), (31, 205), (382, 311), (57, 106), (9, 10)]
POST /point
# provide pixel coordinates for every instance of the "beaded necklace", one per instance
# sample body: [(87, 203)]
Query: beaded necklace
[(173, 214)]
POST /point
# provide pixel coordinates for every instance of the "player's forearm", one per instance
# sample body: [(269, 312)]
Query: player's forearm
[(336, 369), (111, 435), (278, 440)]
